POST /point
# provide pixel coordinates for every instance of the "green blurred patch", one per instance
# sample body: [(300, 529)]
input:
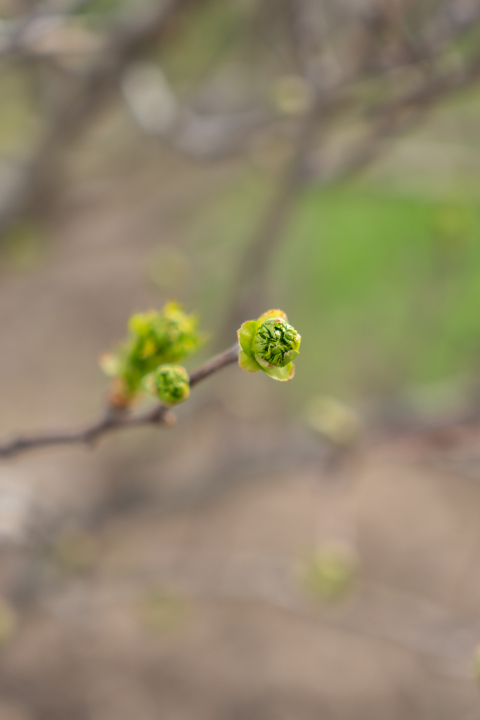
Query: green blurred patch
[(384, 289), (291, 95), (216, 238), (476, 664), (330, 572), (23, 245), (102, 7), (94, 11), (76, 552), (213, 31), (8, 621), (163, 610), (333, 420), (20, 120), (168, 268)]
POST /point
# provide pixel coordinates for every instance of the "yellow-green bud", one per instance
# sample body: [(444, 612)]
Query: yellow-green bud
[(171, 384), (155, 338)]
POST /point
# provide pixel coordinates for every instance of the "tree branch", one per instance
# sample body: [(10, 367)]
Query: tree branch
[(115, 419), (387, 120)]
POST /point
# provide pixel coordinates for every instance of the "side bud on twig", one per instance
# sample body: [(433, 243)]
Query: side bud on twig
[(155, 338), (169, 383), (269, 344)]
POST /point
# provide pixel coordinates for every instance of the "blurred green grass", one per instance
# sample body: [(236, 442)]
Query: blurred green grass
[(384, 287)]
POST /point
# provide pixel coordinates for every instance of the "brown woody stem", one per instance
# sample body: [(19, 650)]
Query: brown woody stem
[(113, 418)]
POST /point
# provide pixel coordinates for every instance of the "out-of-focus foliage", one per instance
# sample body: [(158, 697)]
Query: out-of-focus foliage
[(476, 665), (8, 621), (394, 295), (162, 610), (334, 420), (170, 383), (213, 39), (330, 572), (76, 552), (24, 245)]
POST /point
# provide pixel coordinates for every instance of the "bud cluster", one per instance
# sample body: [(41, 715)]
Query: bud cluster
[(276, 342), (155, 338), (158, 340), (170, 383)]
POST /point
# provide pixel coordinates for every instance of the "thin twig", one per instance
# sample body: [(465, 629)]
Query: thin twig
[(115, 419), (398, 116)]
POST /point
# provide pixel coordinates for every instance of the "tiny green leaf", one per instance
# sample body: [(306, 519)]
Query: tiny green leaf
[(248, 363), (245, 336), (282, 374)]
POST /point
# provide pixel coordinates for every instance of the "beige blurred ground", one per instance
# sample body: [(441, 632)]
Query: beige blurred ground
[(158, 575)]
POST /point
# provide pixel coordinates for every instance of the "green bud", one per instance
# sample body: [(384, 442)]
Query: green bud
[(330, 572), (170, 383), (276, 342), (269, 344), (155, 338)]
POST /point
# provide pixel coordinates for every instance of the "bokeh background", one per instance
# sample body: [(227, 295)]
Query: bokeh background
[(304, 550)]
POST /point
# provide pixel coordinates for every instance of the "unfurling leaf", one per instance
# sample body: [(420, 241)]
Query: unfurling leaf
[(155, 338)]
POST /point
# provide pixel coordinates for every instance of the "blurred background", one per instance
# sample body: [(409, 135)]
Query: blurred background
[(304, 550)]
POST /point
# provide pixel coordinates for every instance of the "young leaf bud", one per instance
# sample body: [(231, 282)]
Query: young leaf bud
[(155, 338), (170, 383), (269, 344)]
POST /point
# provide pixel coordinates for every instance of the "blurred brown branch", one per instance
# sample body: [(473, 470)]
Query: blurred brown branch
[(114, 419), (386, 121), (91, 93), (372, 45)]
